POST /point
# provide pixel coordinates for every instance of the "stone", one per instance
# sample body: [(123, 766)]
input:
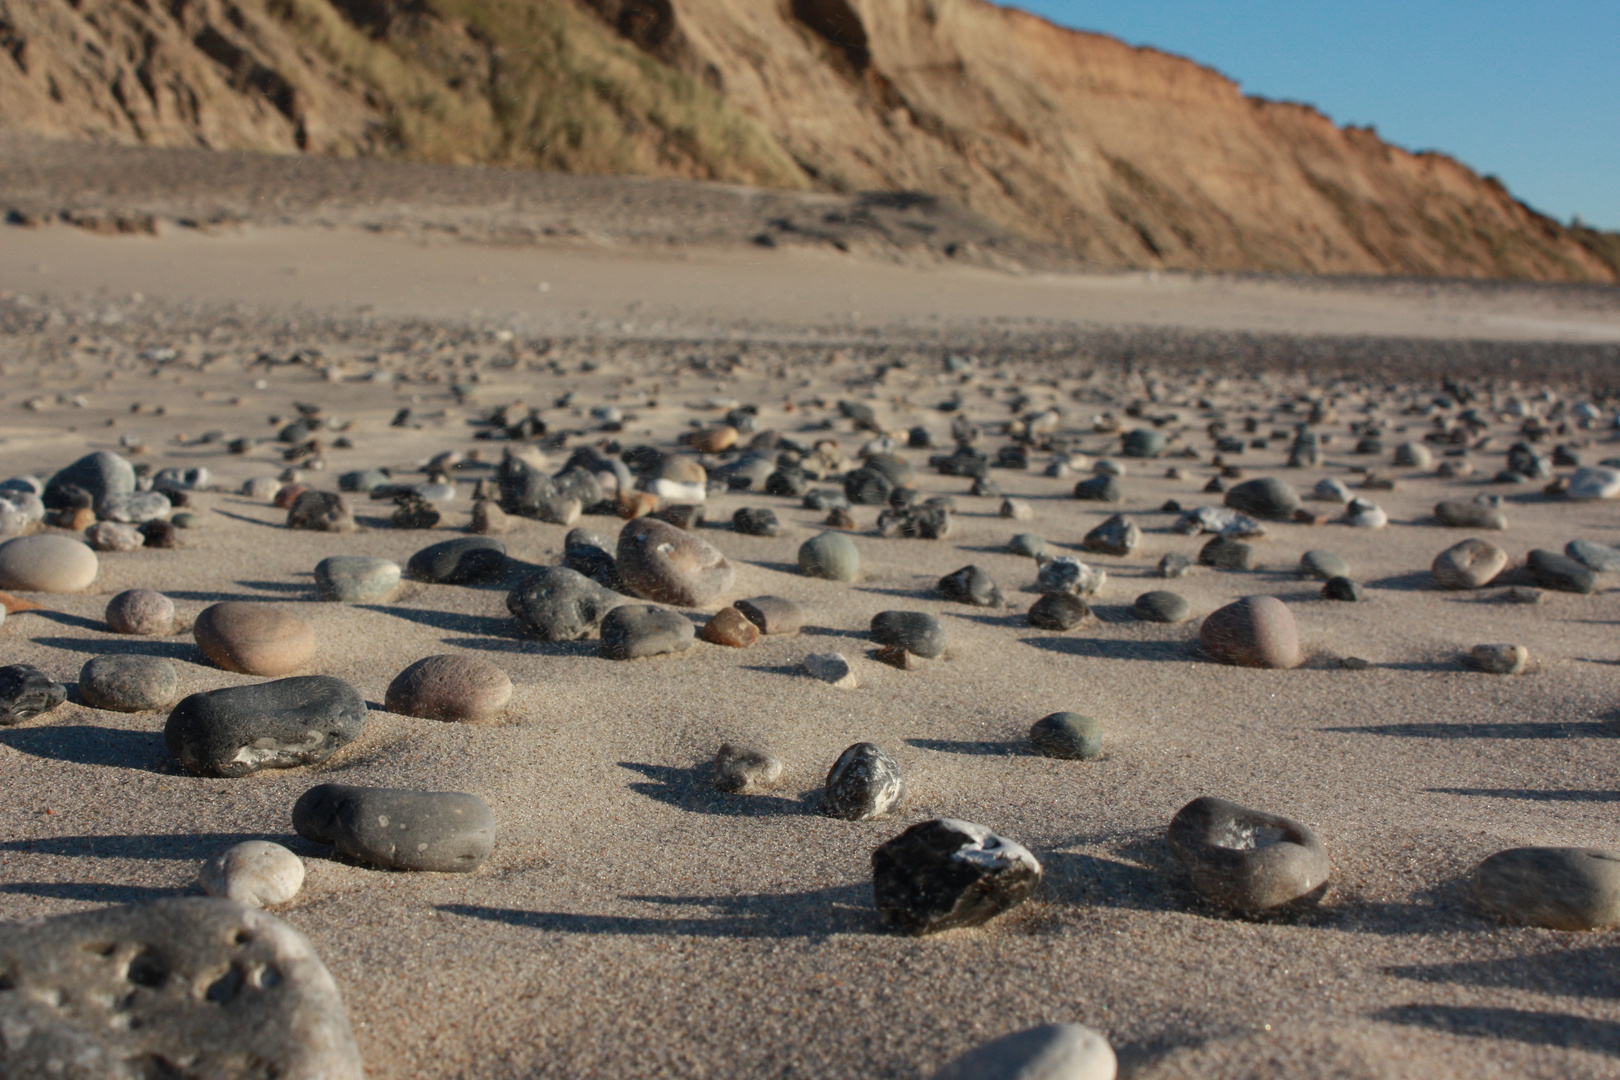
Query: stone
[(970, 585), (1556, 888), (1162, 606), (1029, 545), (1067, 735), (1343, 588), (414, 512), (730, 627), (96, 476), (944, 874), (140, 611), (1471, 564), (261, 488), (135, 507), (47, 563), (1248, 861), (634, 631), (1362, 514), (831, 668), (446, 831), (450, 687), (185, 520), (1017, 510), (186, 986), (254, 638), (363, 480), (560, 604), (756, 521), (128, 683), (830, 555), (356, 579), (1521, 595), (1499, 659), (868, 487), (254, 873), (1222, 520), (588, 553), (1047, 1052), (1267, 498), (917, 522), (159, 534), (1224, 553), (1467, 514), (1067, 574), (1413, 455), (270, 725), (1119, 535), (1594, 482), (488, 519), (864, 783), (25, 692), (1175, 565), (1600, 558), (1059, 612), (466, 560), (772, 614), (917, 632), (1323, 565), (744, 769), (1143, 443), (321, 511), (1098, 489), (1256, 631), (1550, 570), (1330, 489), (660, 562)]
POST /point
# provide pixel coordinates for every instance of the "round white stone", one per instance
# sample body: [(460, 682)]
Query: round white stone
[(255, 873)]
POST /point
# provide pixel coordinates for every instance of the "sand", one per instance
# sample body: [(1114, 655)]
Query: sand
[(632, 922)]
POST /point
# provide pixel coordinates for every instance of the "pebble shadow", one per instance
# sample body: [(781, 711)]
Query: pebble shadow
[(1516, 1025), (72, 620), (1593, 972), (90, 892), (985, 748), (1102, 649), (180, 847), (251, 520), (527, 645), (126, 646), (1526, 793), (1589, 729), (492, 625), (82, 744), (691, 790)]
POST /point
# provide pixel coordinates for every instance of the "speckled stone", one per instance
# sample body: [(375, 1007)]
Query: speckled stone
[(945, 874), (635, 631), (450, 687), (1557, 888), (559, 604), (1248, 861), (1059, 612), (744, 769), (1500, 659), (321, 511), (970, 585), (917, 632), (140, 611), (129, 683), (445, 831), (863, 783), (1257, 631), (1472, 564), (1224, 553), (254, 638), (1067, 735), (47, 563)]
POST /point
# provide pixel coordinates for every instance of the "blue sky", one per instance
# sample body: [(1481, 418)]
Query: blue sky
[(1529, 92)]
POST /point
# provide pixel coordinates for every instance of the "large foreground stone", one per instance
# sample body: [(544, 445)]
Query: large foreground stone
[(945, 873), (271, 725), (448, 831), (1247, 860), (182, 987)]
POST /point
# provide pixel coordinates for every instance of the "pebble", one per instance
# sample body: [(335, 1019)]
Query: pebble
[(363, 480), (1557, 888), (772, 614), (1143, 443), (321, 511), (1323, 565), (862, 784), (1343, 588), (1248, 861), (159, 534), (1330, 489), (1550, 570), (1047, 1052), (1594, 482), (945, 874), (917, 632), (1363, 514), (832, 668), (1098, 489), (1175, 565), (1119, 535), (1521, 595), (1467, 514), (1162, 606), (1595, 556), (970, 585), (269, 725), (1029, 545), (229, 991), (589, 554), (254, 638), (1471, 564), (146, 612), (261, 488), (414, 512), (445, 831), (730, 627), (356, 579), (660, 562), (1413, 455), (1222, 520), (47, 563), (1059, 612), (1224, 553), (1017, 510), (1067, 735), (488, 519), (1266, 497), (466, 560), (633, 631), (1066, 574), (1256, 631), (185, 520), (25, 692), (135, 507), (128, 683), (744, 769), (254, 873), (1500, 659), (560, 604), (831, 555), (756, 521), (96, 476), (450, 687)]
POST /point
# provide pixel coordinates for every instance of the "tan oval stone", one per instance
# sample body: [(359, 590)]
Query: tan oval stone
[(449, 687), (713, 440), (660, 562), (254, 639), (47, 563)]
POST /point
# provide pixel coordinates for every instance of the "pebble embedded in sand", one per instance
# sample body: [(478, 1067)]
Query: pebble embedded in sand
[(449, 687), (863, 783), (135, 507), (1266, 497), (1059, 612), (1248, 861), (756, 521), (25, 692), (356, 579), (833, 556), (47, 563), (1118, 535), (1331, 489), (465, 560), (1343, 588), (1047, 1052), (588, 553), (1467, 514), (730, 627), (128, 683), (1174, 565), (1098, 489), (1364, 514), (145, 612), (254, 873), (660, 562), (917, 632), (1257, 631), (1029, 545), (1472, 564), (831, 668), (743, 769), (1557, 888), (1413, 455), (445, 831), (1500, 659), (254, 638), (1225, 553), (1066, 574), (1594, 482), (1597, 557), (96, 475), (944, 874), (270, 725), (634, 631), (1067, 735)]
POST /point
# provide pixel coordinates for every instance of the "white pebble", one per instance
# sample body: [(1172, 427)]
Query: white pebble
[(255, 873)]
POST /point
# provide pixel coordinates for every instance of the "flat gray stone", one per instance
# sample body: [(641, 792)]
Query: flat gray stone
[(1323, 565), (1599, 557), (128, 683), (1067, 735), (1162, 606), (1558, 888), (446, 831), (634, 631), (356, 579)]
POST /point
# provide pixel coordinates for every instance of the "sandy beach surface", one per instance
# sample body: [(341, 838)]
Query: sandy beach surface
[(634, 922)]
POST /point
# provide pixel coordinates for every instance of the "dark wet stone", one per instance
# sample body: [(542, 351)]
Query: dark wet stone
[(1248, 861), (466, 560), (25, 692), (756, 521), (789, 482), (1067, 735), (970, 585), (863, 783), (1098, 489), (560, 604), (128, 683), (446, 831), (917, 632), (1224, 553), (94, 477), (269, 725), (1551, 570), (943, 874), (1059, 611), (1343, 588), (963, 461), (772, 614), (633, 631), (1119, 535), (414, 512), (1266, 497), (1595, 556), (588, 553), (868, 487), (1162, 606)]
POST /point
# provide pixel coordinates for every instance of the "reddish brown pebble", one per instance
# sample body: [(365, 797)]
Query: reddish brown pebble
[(448, 687), (712, 440), (254, 639), (140, 611), (730, 627), (79, 519), (15, 604), (896, 656), (289, 495)]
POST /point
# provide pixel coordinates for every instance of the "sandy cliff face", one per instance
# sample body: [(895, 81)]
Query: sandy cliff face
[(1127, 156)]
